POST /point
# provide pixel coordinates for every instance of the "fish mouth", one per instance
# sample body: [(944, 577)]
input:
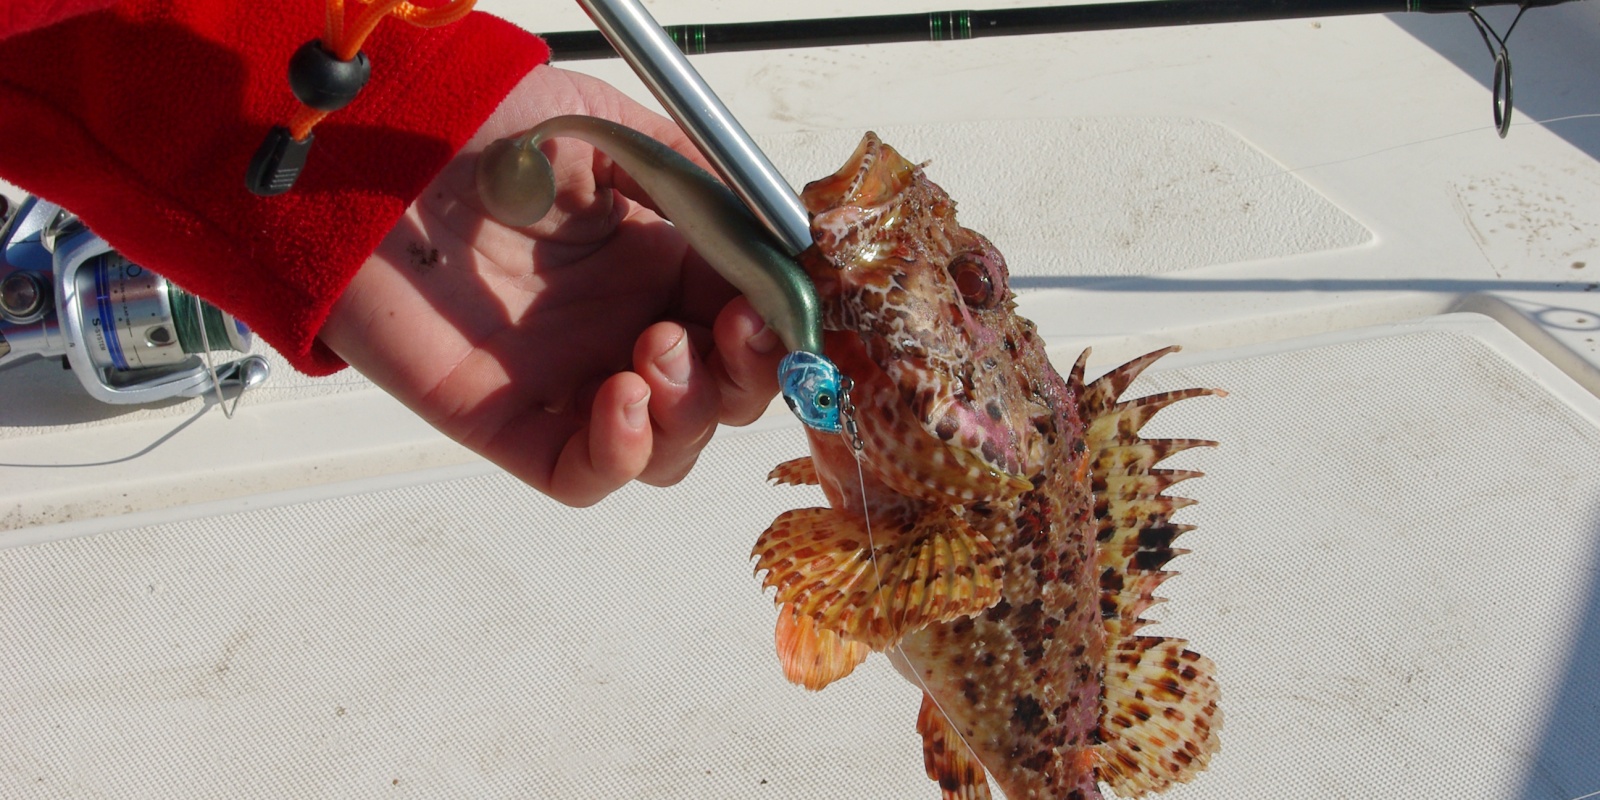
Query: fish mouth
[(874, 174), (861, 196)]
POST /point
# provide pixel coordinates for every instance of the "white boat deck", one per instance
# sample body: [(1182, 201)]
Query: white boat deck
[(1397, 568)]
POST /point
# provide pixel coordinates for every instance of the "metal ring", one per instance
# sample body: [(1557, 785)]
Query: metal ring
[(1502, 66), (1502, 92)]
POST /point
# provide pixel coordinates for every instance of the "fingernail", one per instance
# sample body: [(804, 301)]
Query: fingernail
[(674, 364), (636, 415), (764, 340)]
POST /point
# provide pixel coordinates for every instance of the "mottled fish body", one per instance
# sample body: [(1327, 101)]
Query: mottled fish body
[(997, 529)]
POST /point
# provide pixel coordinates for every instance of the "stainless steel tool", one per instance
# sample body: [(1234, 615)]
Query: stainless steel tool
[(750, 235), (662, 66)]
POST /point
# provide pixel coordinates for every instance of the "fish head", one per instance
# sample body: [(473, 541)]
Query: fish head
[(931, 309)]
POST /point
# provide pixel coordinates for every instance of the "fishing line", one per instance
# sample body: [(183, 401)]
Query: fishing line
[(1404, 145), (1560, 119), (855, 443), (211, 368), (1193, 185)]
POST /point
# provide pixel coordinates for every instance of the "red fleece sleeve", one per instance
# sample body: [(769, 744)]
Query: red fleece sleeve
[(21, 17), (142, 119)]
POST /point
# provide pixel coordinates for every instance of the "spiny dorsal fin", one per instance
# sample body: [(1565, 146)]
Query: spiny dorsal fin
[(800, 471), (1148, 484), (1158, 712), (1128, 512), (1135, 528), (935, 569), (947, 758), (1118, 457), (1129, 417), (814, 657), (1100, 395)]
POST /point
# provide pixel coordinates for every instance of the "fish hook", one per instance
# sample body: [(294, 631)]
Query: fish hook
[(517, 187), (1501, 82)]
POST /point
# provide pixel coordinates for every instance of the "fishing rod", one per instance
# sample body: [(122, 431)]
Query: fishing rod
[(940, 26)]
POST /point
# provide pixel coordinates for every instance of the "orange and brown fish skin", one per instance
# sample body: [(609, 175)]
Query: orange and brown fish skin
[(1005, 528)]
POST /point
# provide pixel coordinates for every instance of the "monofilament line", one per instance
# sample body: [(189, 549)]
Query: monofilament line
[(883, 604)]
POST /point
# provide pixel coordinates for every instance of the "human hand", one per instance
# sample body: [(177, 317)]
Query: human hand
[(587, 351)]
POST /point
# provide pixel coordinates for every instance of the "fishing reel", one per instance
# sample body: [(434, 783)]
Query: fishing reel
[(128, 334)]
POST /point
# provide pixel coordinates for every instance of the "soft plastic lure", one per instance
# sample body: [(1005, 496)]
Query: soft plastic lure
[(517, 186)]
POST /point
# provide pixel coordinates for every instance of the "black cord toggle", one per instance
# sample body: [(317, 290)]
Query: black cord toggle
[(277, 162), (323, 82)]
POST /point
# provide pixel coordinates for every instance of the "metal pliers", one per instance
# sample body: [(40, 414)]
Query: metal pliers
[(749, 235)]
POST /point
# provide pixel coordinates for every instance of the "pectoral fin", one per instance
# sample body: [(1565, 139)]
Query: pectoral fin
[(814, 657), (935, 569), (800, 471)]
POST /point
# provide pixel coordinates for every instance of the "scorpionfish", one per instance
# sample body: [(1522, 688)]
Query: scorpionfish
[(1006, 527)]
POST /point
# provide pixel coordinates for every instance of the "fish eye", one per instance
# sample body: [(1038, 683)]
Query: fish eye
[(824, 400), (971, 274)]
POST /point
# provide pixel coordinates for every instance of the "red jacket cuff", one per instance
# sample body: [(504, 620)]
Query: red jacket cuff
[(142, 120)]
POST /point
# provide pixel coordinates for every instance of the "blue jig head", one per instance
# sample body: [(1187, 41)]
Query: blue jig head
[(814, 389)]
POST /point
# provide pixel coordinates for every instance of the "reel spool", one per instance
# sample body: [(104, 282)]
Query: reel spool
[(130, 335)]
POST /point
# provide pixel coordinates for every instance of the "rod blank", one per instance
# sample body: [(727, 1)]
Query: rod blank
[(952, 25)]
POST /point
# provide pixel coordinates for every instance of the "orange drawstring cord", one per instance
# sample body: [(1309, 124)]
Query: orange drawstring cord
[(344, 39), (326, 74)]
